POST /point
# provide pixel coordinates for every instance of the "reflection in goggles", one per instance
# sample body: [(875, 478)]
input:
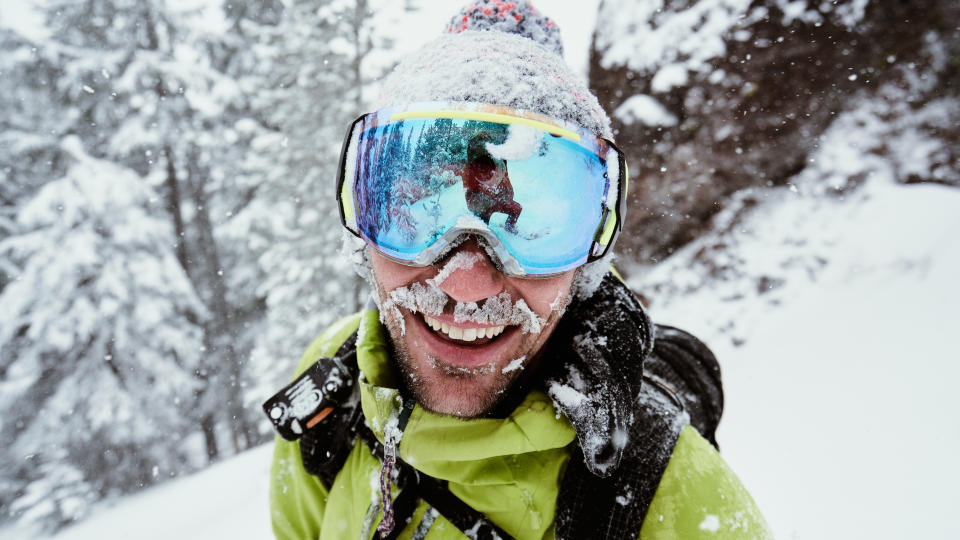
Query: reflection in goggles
[(540, 196)]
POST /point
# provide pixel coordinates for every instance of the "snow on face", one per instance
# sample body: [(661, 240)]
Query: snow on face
[(460, 371), (429, 299), (514, 365), (460, 261), (590, 275), (465, 380), (500, 310)]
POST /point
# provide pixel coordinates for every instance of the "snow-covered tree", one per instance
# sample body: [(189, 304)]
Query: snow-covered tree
[(190, 143), (100, 338), (29, 154), (145, 85), (136, 91), (310, 70)]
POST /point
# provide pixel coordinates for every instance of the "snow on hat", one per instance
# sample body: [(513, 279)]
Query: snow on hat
[(499, 53)]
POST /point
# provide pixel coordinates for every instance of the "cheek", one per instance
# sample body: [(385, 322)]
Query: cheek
[(541, 294), (391, 275)]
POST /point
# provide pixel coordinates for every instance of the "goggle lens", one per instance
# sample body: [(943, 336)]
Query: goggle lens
[(542, 196)]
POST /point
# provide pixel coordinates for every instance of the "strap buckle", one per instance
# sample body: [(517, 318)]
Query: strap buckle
[(310, 398)]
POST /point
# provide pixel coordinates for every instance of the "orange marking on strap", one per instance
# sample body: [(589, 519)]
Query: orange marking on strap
[(319, 417)]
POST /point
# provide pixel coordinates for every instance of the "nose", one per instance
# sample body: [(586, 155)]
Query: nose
[(469, 275)]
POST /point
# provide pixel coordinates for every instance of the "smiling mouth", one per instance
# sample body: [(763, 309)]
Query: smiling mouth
[(463, 335)]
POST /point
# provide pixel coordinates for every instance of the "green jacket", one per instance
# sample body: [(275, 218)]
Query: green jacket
[(509, 469)]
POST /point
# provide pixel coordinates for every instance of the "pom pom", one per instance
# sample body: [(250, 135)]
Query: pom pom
[(516, 17)]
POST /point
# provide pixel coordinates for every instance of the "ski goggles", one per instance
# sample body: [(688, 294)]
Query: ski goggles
[(545, 196)]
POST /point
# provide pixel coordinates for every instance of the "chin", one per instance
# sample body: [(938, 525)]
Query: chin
[(459, 367), (446, 388), (462, 380)]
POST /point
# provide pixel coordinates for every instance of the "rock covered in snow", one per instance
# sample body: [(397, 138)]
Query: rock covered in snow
[(715, 96)]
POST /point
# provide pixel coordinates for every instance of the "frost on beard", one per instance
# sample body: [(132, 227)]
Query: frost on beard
[(590, 275), (428, 298), (514, 365), (500, 310), (416, 298)]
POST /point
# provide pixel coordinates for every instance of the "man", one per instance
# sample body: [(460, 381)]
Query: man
[(486, 182), (506, 385)]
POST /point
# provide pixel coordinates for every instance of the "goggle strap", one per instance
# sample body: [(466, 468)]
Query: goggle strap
[(488, 117), (345, 200), (612, 222)]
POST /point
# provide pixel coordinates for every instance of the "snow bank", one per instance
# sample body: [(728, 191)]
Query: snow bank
[(690, 36), (833, 321), (228, 500), (678, 38)]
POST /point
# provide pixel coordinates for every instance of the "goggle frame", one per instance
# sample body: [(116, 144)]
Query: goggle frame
[(608, 230)]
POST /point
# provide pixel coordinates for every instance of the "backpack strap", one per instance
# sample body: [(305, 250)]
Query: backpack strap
[(416, 485), (685, 365), (331, 434), (321, 408), (663, 376), (614, 507)]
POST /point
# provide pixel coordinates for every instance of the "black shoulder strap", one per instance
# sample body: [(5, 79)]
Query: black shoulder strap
[(679, 383), (684, 364), (326, 444), (324, 448), (416, 485), (614, 507)]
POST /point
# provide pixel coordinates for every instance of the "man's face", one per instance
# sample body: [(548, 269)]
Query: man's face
[(465, 295)]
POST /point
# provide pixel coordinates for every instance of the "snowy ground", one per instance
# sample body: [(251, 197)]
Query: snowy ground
[(840, 415), (228, 500), (841, 411)]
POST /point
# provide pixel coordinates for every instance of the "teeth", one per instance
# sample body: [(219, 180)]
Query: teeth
[(464, 334)]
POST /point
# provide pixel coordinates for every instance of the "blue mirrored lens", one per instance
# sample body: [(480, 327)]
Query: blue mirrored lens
[(540, 194)]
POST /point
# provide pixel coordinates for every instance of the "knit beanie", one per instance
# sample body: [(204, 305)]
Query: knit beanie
[(498, 53)]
